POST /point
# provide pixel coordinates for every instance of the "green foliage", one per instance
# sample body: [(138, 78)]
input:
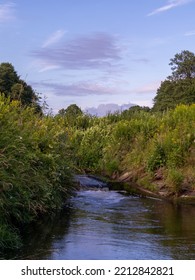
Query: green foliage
[(70, 114), (139, 143), (157, 157), (146, 182), (173, 93), (179, 88), (8, 78), (183, 65), (132, 111), (123, 131), (16, 89), (111, 166), (34, 168), (91, 147), (73, 111), (9, 237), (175, 179)]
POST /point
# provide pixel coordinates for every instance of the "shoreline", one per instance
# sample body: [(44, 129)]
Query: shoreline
[(127, 183), (160, 190)]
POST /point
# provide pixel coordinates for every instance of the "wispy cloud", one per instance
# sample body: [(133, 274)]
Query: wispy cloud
[(190, 33), (85, 88), (7, 12), (96, 51), (170, 5), (54, 38), (91, 88), (47, 67), (141, 60)]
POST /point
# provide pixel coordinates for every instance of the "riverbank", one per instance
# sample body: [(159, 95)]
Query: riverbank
[(157, 188), (35, 173), (126, 183), (155, 151)]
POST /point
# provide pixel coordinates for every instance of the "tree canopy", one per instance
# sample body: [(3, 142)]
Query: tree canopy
[(179, 87), (15, 88), (71, 114), (183, 66), (71, 111)]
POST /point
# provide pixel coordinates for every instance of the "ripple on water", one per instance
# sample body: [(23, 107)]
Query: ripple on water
[(109, 225)]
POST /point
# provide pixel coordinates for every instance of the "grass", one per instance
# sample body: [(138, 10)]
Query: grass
[(35, 176), (143, 141)]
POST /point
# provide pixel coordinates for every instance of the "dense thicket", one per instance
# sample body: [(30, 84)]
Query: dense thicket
[(140, 143), (35, 174)]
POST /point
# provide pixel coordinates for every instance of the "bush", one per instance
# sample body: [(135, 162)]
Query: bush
[(157, 157), (34, 168), (174, 180), (137, 141), (91, 147), (9, 237)]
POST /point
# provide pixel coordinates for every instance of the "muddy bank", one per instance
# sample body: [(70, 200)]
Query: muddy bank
[(157, 188)]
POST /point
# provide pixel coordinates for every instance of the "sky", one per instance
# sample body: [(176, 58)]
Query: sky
[(91, 52)]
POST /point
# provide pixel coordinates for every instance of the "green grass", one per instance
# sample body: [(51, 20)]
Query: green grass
[(35, 176), (140, 141)]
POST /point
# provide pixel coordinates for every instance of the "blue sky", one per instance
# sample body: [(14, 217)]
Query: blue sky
[(91, 52)]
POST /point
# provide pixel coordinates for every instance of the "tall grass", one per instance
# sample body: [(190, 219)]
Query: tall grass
[(34, 169), (141, 143)]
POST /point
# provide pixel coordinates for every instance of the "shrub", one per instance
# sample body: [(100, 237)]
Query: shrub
[(91, 147), (34, 168), (157, 157), (174, 180)]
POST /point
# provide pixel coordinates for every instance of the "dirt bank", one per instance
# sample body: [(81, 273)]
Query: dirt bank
[(156, 188)]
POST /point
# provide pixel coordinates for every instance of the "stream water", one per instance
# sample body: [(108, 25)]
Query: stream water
[(102, 224)]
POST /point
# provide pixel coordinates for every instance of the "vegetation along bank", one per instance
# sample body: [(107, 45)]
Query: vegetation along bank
[(35, 176)]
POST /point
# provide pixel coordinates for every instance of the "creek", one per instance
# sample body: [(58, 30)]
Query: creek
[(102, 224)]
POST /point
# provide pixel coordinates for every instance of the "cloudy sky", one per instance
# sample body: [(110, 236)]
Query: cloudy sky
[(91, 52)]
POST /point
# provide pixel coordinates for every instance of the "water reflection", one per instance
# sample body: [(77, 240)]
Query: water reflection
[(178, 228), (110, 225), (39, 236)]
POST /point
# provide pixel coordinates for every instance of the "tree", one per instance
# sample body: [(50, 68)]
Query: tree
[(12, 86), (8, 78), (132, 111), (71, 113), (183, 66), (179, 88)]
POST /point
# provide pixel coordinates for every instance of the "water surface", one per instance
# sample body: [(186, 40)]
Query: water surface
[(102, 224)]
